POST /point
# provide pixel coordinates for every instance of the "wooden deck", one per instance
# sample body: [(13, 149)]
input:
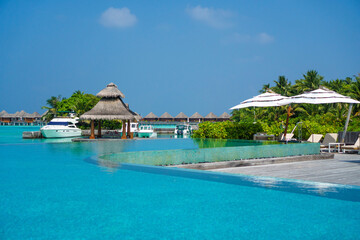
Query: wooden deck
[(343, 169)]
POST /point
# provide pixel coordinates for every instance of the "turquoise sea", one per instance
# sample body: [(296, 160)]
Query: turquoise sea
[(49, 189)]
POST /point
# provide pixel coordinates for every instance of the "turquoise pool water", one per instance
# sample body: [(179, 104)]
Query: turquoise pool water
[(52, 190)]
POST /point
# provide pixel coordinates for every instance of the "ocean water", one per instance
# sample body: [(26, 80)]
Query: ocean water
[(50, 190)]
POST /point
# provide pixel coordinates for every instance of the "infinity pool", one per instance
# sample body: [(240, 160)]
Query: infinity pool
[(51, 190)]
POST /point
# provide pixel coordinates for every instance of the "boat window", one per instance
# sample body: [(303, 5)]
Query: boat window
[(133, 126), (58, 123)]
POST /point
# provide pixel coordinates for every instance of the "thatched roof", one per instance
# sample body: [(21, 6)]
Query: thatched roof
[(9, 115), (225, 115), (181, 115), (35, 115), (3, 112), (109, 109), (21, 114), (151, 115), (211, 116), (111, 106), (111, 91), (135, 114), (166, 115), (196, 115)]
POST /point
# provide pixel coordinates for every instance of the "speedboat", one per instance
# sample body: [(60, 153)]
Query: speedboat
[(182, 130), (146, 131), (61, 128)]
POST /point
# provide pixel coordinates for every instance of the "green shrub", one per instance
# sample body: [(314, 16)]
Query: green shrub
[(227, 130)]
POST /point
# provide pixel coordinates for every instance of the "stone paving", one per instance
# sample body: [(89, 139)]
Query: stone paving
[(343, 169)]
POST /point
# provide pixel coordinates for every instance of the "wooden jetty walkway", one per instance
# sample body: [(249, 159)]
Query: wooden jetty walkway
[(343, 169)]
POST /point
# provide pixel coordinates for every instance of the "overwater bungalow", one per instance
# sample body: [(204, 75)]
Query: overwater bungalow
[(166, 117), (151, 117), (211, 117), (196, 117), (223, 117), (181, 117), (21, 118), (111, 107)]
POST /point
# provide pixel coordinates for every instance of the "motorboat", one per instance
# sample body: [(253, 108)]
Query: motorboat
[(182, 130), (61, 128), (146, 131)]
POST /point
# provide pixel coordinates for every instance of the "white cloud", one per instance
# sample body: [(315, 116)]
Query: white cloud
[(261, 38), (118, 18), (264, 38), (217, 18)]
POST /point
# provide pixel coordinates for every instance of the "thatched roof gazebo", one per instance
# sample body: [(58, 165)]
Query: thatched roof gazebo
[(224, 117), (181, 117), (210, 117), (196, 117), (166, 117), (110, 107), (151, 117)]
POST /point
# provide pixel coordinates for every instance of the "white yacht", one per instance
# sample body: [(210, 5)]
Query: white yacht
[(61, 128)]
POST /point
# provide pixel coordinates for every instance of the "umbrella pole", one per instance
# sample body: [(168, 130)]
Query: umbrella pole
[(346, 123), (287, 121)]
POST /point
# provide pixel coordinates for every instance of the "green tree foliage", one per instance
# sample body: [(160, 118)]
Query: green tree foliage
[(52, 108), (227, 130), (315, 118), (79, 102)]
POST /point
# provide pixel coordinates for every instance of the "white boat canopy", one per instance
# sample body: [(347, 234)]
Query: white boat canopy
[(267, 99)]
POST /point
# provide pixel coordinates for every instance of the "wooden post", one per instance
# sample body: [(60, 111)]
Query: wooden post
[(287, 121), (92, 133), (99, 129), (124, 130), (128, 129)]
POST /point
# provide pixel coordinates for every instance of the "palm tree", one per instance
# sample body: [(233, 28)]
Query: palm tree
[(265, 88), (53, 103), (282, 86), (311, 81), (355, 93)]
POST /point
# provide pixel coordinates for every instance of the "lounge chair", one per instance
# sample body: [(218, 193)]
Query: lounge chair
[(329, 138), (355, 147), (315, 138), (289, 136)]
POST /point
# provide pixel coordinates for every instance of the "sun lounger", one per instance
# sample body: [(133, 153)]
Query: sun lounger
[(355, 147), (315, 138), (329, 138), (289, 136)]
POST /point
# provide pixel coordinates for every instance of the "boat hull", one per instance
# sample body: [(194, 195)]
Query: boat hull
[(61, 133), (147, 134)]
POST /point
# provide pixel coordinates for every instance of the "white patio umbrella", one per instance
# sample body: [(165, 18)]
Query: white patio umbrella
[(267, 99), (324, 96)]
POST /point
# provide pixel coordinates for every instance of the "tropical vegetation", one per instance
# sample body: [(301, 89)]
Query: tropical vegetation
[(309, 118), (78, 103)]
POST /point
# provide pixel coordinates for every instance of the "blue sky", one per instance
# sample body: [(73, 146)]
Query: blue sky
[(170, 55)]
